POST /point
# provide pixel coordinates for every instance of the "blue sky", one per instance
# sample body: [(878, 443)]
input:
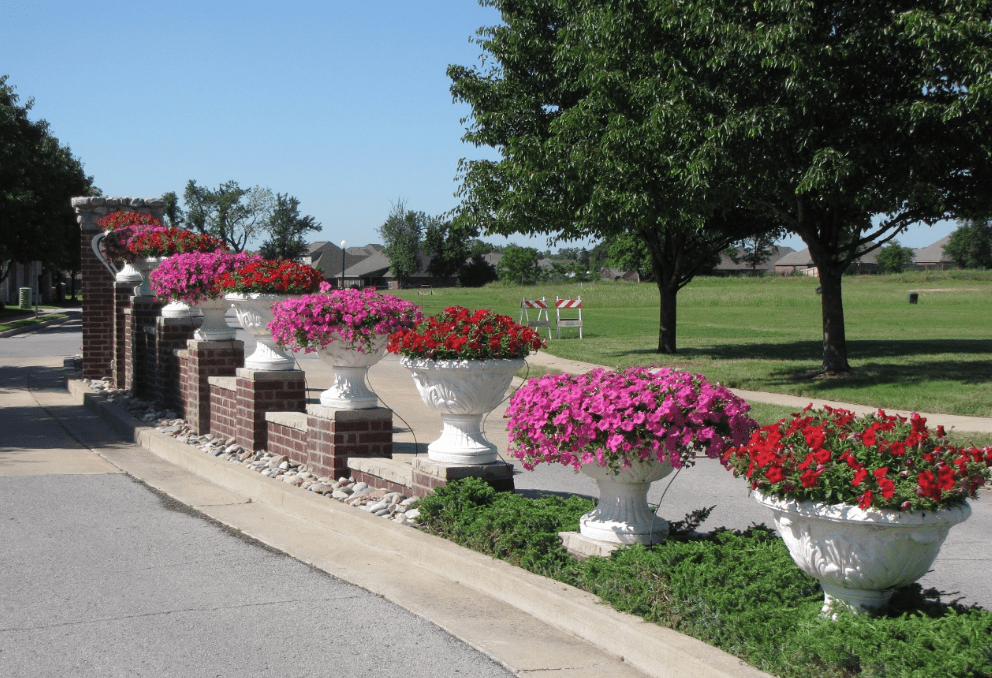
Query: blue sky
[(344, 105)]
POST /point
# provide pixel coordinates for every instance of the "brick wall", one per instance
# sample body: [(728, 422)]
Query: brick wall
[(122, 301), (197, 363), (171, 335), (261, 391), (380, 483), (337, 434), (98, 285), (143, 355), (223, 407), (287, 435)]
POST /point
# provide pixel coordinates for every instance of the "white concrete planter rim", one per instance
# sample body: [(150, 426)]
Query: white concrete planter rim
[(848, 513), (428, 364)]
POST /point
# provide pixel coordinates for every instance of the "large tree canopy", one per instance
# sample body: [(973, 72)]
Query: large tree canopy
[(847, 121), (38, 178), (843, 121), (571, 96)]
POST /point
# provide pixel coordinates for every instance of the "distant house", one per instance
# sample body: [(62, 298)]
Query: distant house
[(795, 263), (801, 263), (326, 258), (616, 274), (932, 257), (728, 266)]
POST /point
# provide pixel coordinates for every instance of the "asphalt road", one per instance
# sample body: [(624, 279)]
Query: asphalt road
[(103, 576)]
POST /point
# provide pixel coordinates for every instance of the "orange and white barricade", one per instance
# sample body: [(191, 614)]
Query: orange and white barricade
[(570, 307), (538, 306)]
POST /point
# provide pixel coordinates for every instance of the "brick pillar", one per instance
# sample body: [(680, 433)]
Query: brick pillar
[(143, 356), (335, 435), (171, 336), (261, 391), (200, 361), (98, 284), (122, 301)]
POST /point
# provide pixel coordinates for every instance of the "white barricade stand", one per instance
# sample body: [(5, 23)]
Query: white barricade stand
[(541, 307), (568, 305)]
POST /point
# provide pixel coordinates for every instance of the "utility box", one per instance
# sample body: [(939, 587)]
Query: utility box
[(25, 297)]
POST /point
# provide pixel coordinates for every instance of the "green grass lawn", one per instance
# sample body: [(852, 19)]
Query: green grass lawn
[(764, 334), (14, 317)]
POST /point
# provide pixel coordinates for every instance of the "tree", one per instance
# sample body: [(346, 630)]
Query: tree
[(569, 94), (38, 178), (401, 234), (894, 258), (844, 121), (477, 272), (448, 247), (175, 217), (286, 229), (754, 250), (970, 245), (519, 265), (235, 215)]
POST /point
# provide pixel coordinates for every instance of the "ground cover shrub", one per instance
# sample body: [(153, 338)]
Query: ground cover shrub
[(739, 591)]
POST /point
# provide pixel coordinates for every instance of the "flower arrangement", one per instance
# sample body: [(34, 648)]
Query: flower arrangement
[(313, 321), (875, 461), (191, 277), (612, 418), (121, 227), (460, 334), (270, 276), (165, 242)]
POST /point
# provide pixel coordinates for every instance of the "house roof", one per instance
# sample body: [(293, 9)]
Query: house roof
[(800, 258), (932, 253), (728, 264)]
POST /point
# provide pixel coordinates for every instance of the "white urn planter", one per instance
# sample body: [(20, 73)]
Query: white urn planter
[(859, 556), (214, 327), (145, 266), (254, 312), (125, 274), (463, 392), (349, 390), (622, 514), (180, 309)]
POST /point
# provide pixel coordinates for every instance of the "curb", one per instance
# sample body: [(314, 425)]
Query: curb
[(42, 323), (653, 649)]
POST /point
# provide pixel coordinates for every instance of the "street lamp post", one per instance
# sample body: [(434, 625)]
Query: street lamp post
[(343, 243)]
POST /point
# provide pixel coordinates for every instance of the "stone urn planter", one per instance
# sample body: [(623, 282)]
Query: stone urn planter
[(463, 392), (622, 514), (125, 274), (349, 390), (180, 309), (254, 312), (860, 555), (214, 327), (145, 266)]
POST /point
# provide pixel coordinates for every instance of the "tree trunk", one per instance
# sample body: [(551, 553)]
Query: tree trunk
[(668, 316), (832, 308)]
